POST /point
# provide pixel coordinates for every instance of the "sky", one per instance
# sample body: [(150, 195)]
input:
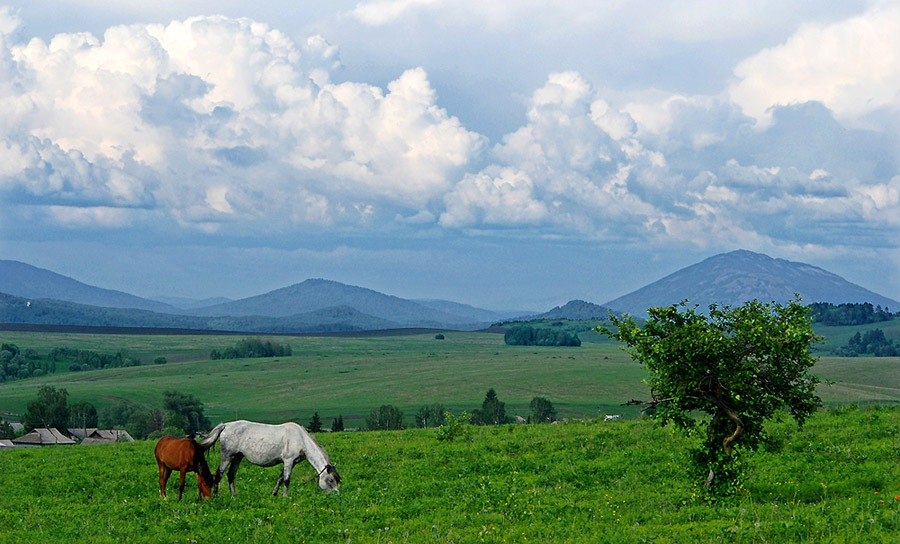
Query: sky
[(513, 154)]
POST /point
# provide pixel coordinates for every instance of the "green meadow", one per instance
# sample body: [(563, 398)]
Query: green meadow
[(834, 480), (350, 376)]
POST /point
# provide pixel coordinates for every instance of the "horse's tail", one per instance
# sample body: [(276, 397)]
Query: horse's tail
[(212, 437)]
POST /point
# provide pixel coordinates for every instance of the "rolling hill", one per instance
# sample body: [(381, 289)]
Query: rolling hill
[(576, 310), (27, 281), (736, 277), (319, 294)]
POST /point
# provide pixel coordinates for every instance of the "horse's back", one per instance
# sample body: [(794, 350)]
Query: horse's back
[(262, 443), (175, 452)]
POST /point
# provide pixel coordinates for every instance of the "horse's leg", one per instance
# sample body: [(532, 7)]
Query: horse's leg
[(223, 464), (278, 484), (199, 492), (285, 477), (232, 471), (181, 474), (163, 479)]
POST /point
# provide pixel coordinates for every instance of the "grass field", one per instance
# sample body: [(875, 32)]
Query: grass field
[(835, 337), (835, 480), (350, 376)]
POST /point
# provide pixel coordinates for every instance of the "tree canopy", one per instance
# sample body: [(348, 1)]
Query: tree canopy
[(492, 412), (50, 409), (738, 366), (385, 417), (184, 412), (542, 410)]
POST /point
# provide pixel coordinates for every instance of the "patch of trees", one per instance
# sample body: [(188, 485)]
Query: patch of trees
[(337, 424), (385, 418), (848, 314), (252, 347), (431, 415), (526, 335), (82, 359), (492, 412), (17, 364), (872, 342), (179, 414)]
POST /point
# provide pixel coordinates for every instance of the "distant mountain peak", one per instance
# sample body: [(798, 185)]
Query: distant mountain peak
[(733, 278), (576, 310)]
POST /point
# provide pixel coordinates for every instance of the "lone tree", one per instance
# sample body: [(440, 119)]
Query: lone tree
[(315, 424), (736, 365), (185, 412), (50, 409), (492, 412), (82, 415), (542, 410)]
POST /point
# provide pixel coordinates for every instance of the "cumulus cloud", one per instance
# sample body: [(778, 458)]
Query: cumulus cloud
[(229, 126), (851, 66), (567, 168), (215, 120), (682, 169)]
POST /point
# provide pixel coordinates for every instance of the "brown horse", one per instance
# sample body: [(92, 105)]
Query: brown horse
[(184, 455)]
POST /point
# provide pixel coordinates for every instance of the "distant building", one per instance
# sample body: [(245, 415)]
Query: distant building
[(100, 436), (4, 443), (43, 437)]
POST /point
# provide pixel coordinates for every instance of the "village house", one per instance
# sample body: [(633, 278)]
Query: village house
[(43, 437), (100, 436)]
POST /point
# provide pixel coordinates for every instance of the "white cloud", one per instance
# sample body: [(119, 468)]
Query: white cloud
[(214, 118), (234, 128), (496, 196), (851, 66), (380, 12)]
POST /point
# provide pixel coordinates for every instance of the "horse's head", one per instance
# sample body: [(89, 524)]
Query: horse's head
[(204, 476), (329, 478)]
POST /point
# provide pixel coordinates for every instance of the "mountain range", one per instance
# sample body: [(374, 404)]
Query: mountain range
[(33, 295)]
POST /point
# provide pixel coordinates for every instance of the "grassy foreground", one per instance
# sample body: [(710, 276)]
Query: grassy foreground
[(835, 480)]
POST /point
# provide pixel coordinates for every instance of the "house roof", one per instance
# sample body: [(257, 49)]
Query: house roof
[(4, 443), (43, 437), (93, 435)]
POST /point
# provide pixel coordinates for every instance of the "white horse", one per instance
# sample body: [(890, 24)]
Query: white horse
[(266, 446)]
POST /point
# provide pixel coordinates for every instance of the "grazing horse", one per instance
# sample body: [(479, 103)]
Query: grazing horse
[(184, 455), (266, 446)]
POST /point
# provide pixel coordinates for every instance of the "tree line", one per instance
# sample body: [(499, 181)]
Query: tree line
[(251, 348), (17, 364), (872, 342), (491, 412), (526, 335), (827, 313), (82, 359)]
